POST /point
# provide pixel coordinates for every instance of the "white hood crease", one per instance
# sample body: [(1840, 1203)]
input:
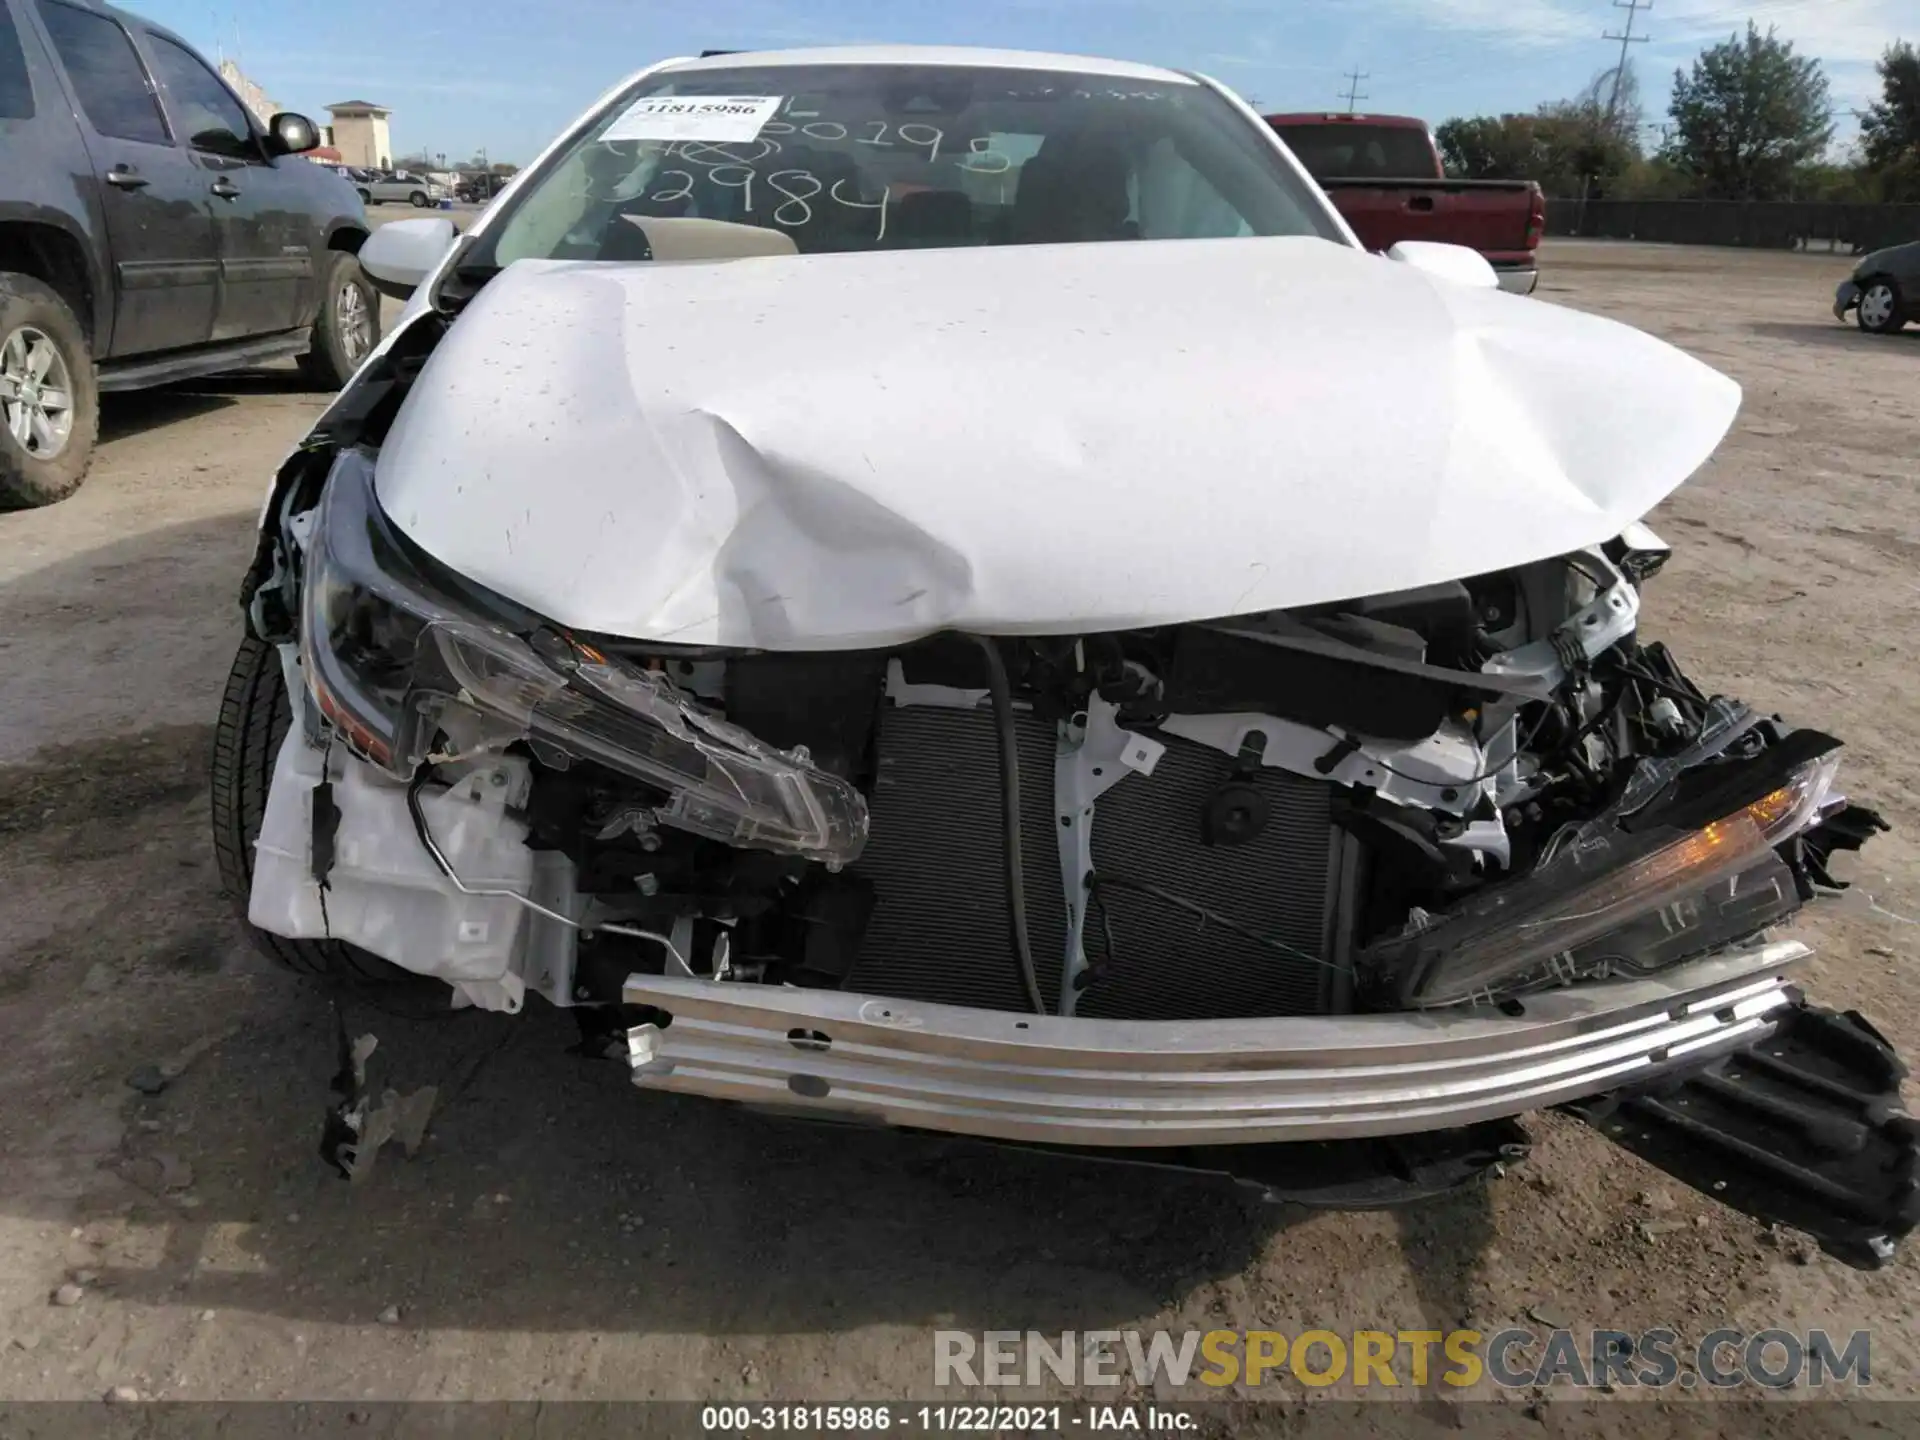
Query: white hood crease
[(839, 451)]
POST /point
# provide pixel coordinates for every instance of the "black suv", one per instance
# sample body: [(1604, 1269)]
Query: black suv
[(151, 230)]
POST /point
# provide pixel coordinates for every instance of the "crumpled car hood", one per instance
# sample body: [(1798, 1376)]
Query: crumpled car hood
[(840, 451)]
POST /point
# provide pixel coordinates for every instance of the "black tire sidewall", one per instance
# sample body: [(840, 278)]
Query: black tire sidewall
[(25, 481), (1897, 319), (327, 364), (255, 718)]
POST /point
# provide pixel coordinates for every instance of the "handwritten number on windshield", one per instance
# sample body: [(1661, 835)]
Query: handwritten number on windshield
[(885, 196), (918, 137), (744, 184), (731, 167), (927, 135), (709, 154), (794, 211), (983, 159), (682, 193)]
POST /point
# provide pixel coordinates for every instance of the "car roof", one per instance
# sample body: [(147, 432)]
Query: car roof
[(134, 20), (959, 56), (1341, 117)]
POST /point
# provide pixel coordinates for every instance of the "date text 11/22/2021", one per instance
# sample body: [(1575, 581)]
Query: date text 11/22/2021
[(881, 1419)]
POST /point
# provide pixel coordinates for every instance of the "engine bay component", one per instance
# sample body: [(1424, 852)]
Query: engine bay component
[(382, 890)]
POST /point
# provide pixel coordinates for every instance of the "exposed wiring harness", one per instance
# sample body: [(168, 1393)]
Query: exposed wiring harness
[(498, 892), (1096, 882), (1520, 748)]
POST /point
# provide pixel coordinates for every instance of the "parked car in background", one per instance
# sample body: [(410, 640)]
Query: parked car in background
[(478, 189), (1884, 290), (355, 177), (413, 188), (151, 230), (1188, 777), (1384, 173)]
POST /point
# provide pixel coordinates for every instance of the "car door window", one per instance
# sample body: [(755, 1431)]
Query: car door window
[(16, 91), (107, 74), (204, 110)]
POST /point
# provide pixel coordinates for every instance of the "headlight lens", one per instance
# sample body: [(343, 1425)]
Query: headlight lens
[(1610, 900), (387, 649)]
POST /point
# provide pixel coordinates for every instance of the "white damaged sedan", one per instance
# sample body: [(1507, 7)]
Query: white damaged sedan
[(944, 588)]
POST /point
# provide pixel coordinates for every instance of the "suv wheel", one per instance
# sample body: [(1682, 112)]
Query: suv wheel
[(348, 326), (49, 402)]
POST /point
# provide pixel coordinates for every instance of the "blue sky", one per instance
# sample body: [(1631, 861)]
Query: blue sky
[(507, 74)]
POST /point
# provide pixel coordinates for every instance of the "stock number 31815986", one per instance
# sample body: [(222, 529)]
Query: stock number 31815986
[(876, 1419)]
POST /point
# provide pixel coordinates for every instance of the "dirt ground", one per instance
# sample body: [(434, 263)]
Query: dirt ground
[(562, 1235)]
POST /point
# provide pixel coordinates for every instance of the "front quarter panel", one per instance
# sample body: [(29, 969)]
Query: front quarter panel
[(1903, 263)]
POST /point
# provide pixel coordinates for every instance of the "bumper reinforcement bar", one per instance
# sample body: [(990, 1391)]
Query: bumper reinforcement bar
[(1061, 1081)]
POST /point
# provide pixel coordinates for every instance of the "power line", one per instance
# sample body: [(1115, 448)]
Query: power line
[(1626, 37), (1356, 75)]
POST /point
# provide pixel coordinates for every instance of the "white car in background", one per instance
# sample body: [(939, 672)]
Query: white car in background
[(945, 588), (403, 186)]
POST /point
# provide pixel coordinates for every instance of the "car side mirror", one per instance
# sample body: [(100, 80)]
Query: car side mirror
[(1457, 263), (402, 253), (291, 134)]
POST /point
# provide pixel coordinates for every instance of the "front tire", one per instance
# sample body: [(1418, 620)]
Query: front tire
[(1881, 310), (255, 715), (419, 199), (49, 396), (347, 327)]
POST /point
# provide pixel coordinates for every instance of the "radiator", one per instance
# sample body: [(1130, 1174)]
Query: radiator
[(1171, 964), (935, 854), (940, 929)]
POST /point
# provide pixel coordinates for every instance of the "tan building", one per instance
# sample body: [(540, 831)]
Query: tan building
[(263, 106), (359, 133)]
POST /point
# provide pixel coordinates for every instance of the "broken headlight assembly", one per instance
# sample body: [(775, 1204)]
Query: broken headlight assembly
[(1612, 900), (391, 646)]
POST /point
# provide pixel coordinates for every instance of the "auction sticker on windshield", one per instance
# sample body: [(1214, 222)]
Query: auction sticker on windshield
[(720, 118)]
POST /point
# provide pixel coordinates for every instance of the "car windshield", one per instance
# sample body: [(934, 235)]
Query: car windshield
[(889, 157)]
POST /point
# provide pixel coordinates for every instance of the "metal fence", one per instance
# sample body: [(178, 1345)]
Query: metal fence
[(1766, 225)]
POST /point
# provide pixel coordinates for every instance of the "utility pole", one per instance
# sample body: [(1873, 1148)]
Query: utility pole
[(1626, 37), (1356, 75)]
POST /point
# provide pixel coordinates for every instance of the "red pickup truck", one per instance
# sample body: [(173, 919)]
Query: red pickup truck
[(1383, 173)]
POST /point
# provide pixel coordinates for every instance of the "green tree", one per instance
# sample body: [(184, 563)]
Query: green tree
[(1845, 184), (1489, 147), (1890, 127), (1594, 138), (1653, 178), (1747, 115), (1565, 145)]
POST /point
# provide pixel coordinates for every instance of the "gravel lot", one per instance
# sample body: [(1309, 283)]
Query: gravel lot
[(562, 1235)]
